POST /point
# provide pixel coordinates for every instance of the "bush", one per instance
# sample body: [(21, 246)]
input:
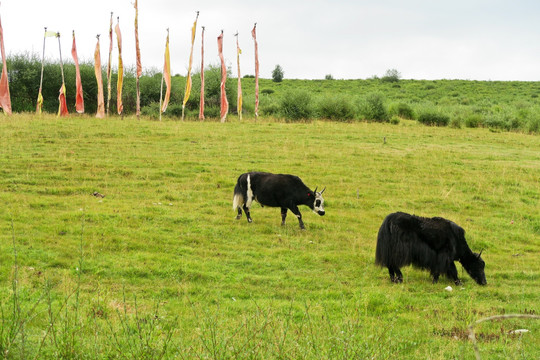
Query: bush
[(473, 121), (402, 110), (394, 120), (296, 105), (433, 119), (338, 108), (373, 108)]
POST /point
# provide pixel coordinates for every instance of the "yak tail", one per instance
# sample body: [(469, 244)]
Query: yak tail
[(238, 197), (238, 200), (384, 239)]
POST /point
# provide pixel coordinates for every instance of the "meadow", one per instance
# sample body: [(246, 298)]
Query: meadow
[(157, 267)]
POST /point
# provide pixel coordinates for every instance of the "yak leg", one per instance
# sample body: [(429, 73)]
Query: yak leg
[(395, 275), (248, 215), (296, 212), (239, 216), (453, 274), (283, 215), (435, 276)]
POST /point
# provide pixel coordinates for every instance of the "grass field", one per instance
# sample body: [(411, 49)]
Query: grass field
[(159, 268)]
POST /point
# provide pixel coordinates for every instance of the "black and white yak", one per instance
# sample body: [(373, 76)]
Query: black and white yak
[(275, 190), (428, 243)]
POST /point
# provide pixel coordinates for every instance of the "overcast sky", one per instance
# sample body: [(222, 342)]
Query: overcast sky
[(353, 39)]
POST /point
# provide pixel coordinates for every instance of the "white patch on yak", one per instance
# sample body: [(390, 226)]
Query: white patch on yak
[(249, 193)]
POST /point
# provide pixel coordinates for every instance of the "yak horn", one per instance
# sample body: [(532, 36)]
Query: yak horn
[(315, 191), (323, 190), (480, 253)]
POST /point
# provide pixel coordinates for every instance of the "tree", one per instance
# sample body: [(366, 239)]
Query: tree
[(391, 75), (277, 74)]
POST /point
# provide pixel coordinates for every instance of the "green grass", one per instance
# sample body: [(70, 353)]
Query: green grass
[(159, 267)]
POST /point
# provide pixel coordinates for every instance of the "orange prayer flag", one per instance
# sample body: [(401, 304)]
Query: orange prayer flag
[(5, 98), (79, 100), (120, 80), (224, 103), (62, 108), (167, 75), (97, 68), (254, 35), (201, 104), (189, 82)]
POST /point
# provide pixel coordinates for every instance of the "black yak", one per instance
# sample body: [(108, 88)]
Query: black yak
[(428, 243), (275, 190)]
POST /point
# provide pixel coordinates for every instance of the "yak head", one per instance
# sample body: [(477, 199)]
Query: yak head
[(474, 265), (318, 202)]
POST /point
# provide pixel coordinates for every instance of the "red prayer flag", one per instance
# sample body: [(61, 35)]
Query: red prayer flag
[(137, 49), (224, 102), (167, 75), (120, 80), (97, 68), (239, 100), (201, 104), (62, 108), (254, 35), (79, 100), (138, 56), (5, 99)]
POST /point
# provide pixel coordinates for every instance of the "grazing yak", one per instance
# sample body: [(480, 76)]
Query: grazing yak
[(428, 243), (275, 190)]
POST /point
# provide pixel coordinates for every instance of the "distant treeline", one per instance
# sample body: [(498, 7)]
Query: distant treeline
[(506, 106), (24, 72)]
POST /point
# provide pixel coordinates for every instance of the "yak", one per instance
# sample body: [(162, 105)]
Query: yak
[(428, 243), (275, 190)]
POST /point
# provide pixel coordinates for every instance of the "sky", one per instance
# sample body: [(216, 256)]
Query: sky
[(350, 39)]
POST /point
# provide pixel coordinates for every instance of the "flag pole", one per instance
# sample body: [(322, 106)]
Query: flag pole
[(254, 35), (40, 96)]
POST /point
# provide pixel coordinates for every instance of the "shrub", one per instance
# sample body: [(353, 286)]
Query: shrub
[(336, 108), (473, 120), (434, 119), (373, 108), (533, 126), (456, 122), (328, 77), (394, 120), (402, 110), (296, 105), (267, 91)]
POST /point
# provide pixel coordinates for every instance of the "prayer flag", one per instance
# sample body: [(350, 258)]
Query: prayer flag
[(51, 34), (254, 35), (167, 75), (109, 65), (239, 100), (5, 99), (62, 108), (188, 81), (79, 100), (97, 68), (120, 80), (201, 104), (224, 103), (138, 59)]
